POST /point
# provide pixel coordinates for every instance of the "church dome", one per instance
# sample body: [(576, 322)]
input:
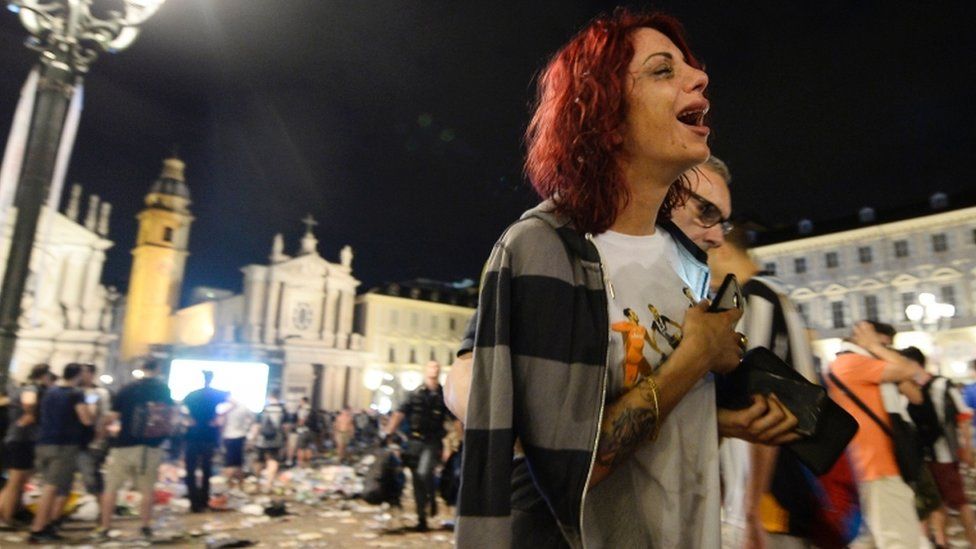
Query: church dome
[(171, 180)]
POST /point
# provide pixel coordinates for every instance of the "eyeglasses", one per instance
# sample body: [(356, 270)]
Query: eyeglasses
[(709, 215)]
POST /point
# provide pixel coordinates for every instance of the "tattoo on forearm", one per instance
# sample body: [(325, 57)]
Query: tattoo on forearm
[(623, 430)]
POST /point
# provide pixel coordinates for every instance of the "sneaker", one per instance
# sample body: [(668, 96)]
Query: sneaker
[(422, 527), (100, 534), (146, 532), (44, 536)]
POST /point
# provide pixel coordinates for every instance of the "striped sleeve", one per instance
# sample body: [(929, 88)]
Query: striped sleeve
[(484, 501)]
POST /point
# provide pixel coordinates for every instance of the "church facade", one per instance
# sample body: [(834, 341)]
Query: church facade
[(67, 313), (296, 314)]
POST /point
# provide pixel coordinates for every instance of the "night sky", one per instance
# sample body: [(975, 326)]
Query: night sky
[(398, 124)]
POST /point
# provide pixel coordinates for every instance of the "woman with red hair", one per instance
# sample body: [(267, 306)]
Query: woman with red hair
[(618, 461)]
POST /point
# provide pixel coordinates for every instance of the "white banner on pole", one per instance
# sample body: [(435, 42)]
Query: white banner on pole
[(13, 155)]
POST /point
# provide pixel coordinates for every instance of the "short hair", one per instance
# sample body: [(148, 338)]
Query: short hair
[(276, 393), (208, 375), (72, 371), (883, 328), (913, 353), (738, 238), (38, 371), (90, 367), (715, 164), (153, 364), (573, 140)]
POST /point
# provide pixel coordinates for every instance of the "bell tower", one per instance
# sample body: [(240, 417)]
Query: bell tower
[(158, 261)]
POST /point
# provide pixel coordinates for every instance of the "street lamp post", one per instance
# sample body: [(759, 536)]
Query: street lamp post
[(68, 37), (928, 314)]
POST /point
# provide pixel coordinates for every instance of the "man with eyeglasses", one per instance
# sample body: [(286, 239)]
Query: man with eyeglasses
[(704, 217)]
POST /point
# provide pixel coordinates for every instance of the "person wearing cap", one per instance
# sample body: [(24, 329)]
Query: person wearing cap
[(18, 444)]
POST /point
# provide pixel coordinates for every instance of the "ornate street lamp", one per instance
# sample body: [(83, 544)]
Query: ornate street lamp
[(929, 315), (69, 37)]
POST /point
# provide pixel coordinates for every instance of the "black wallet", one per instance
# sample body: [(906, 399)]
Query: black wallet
[(826, 427)]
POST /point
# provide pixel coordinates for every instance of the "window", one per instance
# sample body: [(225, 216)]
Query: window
[(800, 265), (871, 307), (837, 313), (391, 355), (413, 355), (433, 355), (939, 242), (949, 295), (394, 318), (452, 323), (974, 236), (167, 234), (770, 267), (831, 259), (864, 254), (802, 309), (907, 298), (901, 248)]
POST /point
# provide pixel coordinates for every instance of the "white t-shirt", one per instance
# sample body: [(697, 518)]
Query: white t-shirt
[(237, 421), (667, 494)]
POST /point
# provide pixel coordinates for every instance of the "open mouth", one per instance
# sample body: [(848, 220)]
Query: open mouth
[(694, 116)]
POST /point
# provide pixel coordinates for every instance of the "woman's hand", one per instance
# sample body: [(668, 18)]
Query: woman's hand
[(711, 336), (767, 421)]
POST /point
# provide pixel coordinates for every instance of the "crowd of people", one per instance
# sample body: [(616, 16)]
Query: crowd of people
[(587, 382), (62, 429)]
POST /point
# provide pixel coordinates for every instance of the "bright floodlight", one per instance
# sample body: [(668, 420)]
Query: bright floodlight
[(410, 380), (947, 310), (247, 382), (138, 374), (106, 379), (926, 298), (958, 368), (915, 312), (372, 379), (384, 404)]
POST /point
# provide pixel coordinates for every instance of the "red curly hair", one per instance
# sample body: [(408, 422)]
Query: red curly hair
[(573, 139)]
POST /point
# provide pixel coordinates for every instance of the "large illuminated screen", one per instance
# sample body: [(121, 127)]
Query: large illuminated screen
[(247, 382)]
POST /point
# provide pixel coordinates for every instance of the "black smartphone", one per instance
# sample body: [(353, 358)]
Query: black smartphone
[(728, 297)]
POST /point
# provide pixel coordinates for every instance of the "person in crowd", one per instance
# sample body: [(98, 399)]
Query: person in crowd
[(146, 414), (63, 418), (237, 422), (704, 219), (308, 427), (343, 430), (425, 412), (290, 427), (869, 369), (269, 438), (619, 120), (776, 495), (202, 437), (942, 457), (92, 455), (21, 436)]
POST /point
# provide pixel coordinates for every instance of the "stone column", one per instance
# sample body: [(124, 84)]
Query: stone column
[(331, 309), (72, 288), (346, 304)]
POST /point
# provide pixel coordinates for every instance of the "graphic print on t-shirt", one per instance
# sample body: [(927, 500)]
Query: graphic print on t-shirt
[(663, 337)]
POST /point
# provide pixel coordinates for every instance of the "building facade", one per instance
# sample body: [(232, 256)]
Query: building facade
[(67, 313), (405, 325), (296, 314), (876, 270)]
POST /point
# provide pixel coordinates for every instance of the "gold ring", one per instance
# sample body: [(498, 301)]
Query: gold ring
[(743, 340)]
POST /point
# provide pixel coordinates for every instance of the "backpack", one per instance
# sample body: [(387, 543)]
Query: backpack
[(314, 421), (384, 479), (268, 428), (926, 419), (151, 420)]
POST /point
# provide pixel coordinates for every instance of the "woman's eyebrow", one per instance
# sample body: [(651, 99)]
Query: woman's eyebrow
[(662, 53)]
